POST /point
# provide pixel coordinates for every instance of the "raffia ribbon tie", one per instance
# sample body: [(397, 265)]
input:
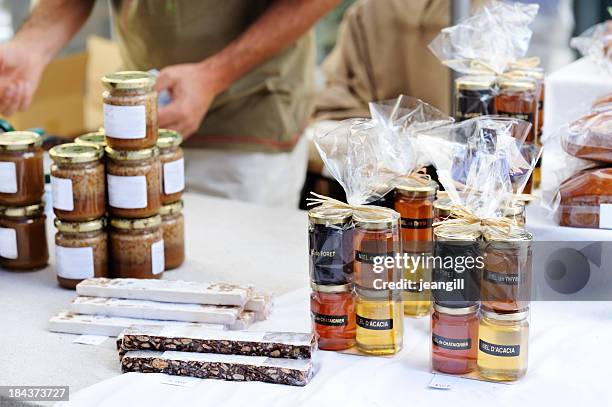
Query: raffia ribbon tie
[(477, 66), (332, 203), (421, 176), (464, 219)]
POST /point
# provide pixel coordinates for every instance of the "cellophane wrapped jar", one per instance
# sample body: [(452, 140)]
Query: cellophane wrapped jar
[(475, 96), (78, 182), (130, 110), (21, 168)]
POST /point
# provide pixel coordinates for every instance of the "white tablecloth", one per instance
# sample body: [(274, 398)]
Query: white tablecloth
[(569, 360)]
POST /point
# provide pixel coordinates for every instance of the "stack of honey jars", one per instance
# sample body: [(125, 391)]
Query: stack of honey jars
[(23, 241), (116, 198), (351, 301)]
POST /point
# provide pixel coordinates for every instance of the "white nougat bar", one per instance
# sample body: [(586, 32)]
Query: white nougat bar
[(259, 302), (120, 307), (82, 324), (191, 292)]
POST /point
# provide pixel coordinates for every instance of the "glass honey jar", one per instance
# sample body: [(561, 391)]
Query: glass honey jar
[(172, 165), (414, 203), (379, 318), (416, 298), (376, 238), (442, 208), (454, 337), (21, 168), (332, 308), (23, 238), (173, 226), (506, 278), (518, 99), (130, 110), (475, 96), (502, 345)]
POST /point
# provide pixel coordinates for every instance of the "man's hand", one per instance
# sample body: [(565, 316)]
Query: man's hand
[(20, 72), (193, 88)]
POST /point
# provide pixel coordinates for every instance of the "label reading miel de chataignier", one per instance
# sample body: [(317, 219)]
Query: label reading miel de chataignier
[(330, 320), (451, 343), (374, 324), (410, 223), (499, 350), (501, 278)]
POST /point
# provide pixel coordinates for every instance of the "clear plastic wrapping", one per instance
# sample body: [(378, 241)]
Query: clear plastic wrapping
[(596, 42), (494, 36), (590, 137)]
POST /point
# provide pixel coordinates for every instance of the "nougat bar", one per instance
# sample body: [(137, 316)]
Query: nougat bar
[(119, 307), (197, 339), (83, 324), (294, 372), (191, 292)]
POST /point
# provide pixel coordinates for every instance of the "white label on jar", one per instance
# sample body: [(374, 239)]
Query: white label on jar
[(605, 216), (125, 122), (157, 257), (8, 178), (74, 262), (8, 243), (61, 190), (127, 192), (174, 176)]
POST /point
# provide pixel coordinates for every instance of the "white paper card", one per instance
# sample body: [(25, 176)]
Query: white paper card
[(61, 190), (605, 216), (8, 178), (90, 339), (74, 262), (127, 192), (179, 381), (442, 382), (174, 176), (125, 122), (157, 257), (8, 243)]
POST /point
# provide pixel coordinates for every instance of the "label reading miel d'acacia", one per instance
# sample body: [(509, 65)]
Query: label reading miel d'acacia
[(451, 343), (499, 350), (410, 223), (374, 324), (330, 320), (501, 278), (365, 257)]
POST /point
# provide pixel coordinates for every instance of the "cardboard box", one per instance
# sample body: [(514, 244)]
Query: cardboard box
[(68, 101)]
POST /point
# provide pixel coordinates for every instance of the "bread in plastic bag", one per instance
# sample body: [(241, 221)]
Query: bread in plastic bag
[(596, 42)]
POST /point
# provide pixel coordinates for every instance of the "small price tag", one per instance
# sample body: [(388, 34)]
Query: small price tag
[(442, 382), (90, 339), (179, 381)]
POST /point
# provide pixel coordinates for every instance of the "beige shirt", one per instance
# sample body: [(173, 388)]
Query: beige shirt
[(263, 111)]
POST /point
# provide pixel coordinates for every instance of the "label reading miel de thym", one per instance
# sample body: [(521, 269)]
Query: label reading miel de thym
[(501, 278), (410, 223)]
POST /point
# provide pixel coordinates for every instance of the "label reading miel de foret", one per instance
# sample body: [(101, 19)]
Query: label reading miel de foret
[(330, 320), (451, 343), (374, 324), (499, 350)]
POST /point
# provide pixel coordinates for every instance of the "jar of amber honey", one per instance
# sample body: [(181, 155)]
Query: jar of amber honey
[(21, 168), (172, 165), (414, 203), (454, 337), (502, 345), (23, 239), (379, 318), (332, 308), (518, 98)]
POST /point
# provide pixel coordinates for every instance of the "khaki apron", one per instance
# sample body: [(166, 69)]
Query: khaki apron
[(265, 110)]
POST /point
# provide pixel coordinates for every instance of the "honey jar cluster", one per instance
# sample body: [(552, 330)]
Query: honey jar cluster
[(117, 192)]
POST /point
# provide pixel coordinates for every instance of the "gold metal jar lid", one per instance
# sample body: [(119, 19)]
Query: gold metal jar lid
[(19, 140), (509, 316), (456, 311), (537, 74), (443, 204), (20, 211), (128, 80), (136, 224), (515, 237), (331, 289), (72, 153), (97, 138), (373, 294), (168, 138), (324, 215), (171, 208), (131, 155), (80, 227), (517, 85), (413, 188), (379, 219), (451, 233), (475, 82)]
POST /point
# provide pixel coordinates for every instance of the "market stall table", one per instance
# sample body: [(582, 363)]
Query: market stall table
[(267, 246)]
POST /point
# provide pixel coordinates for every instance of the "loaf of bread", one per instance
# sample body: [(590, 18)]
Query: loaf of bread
[(584, 197)]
